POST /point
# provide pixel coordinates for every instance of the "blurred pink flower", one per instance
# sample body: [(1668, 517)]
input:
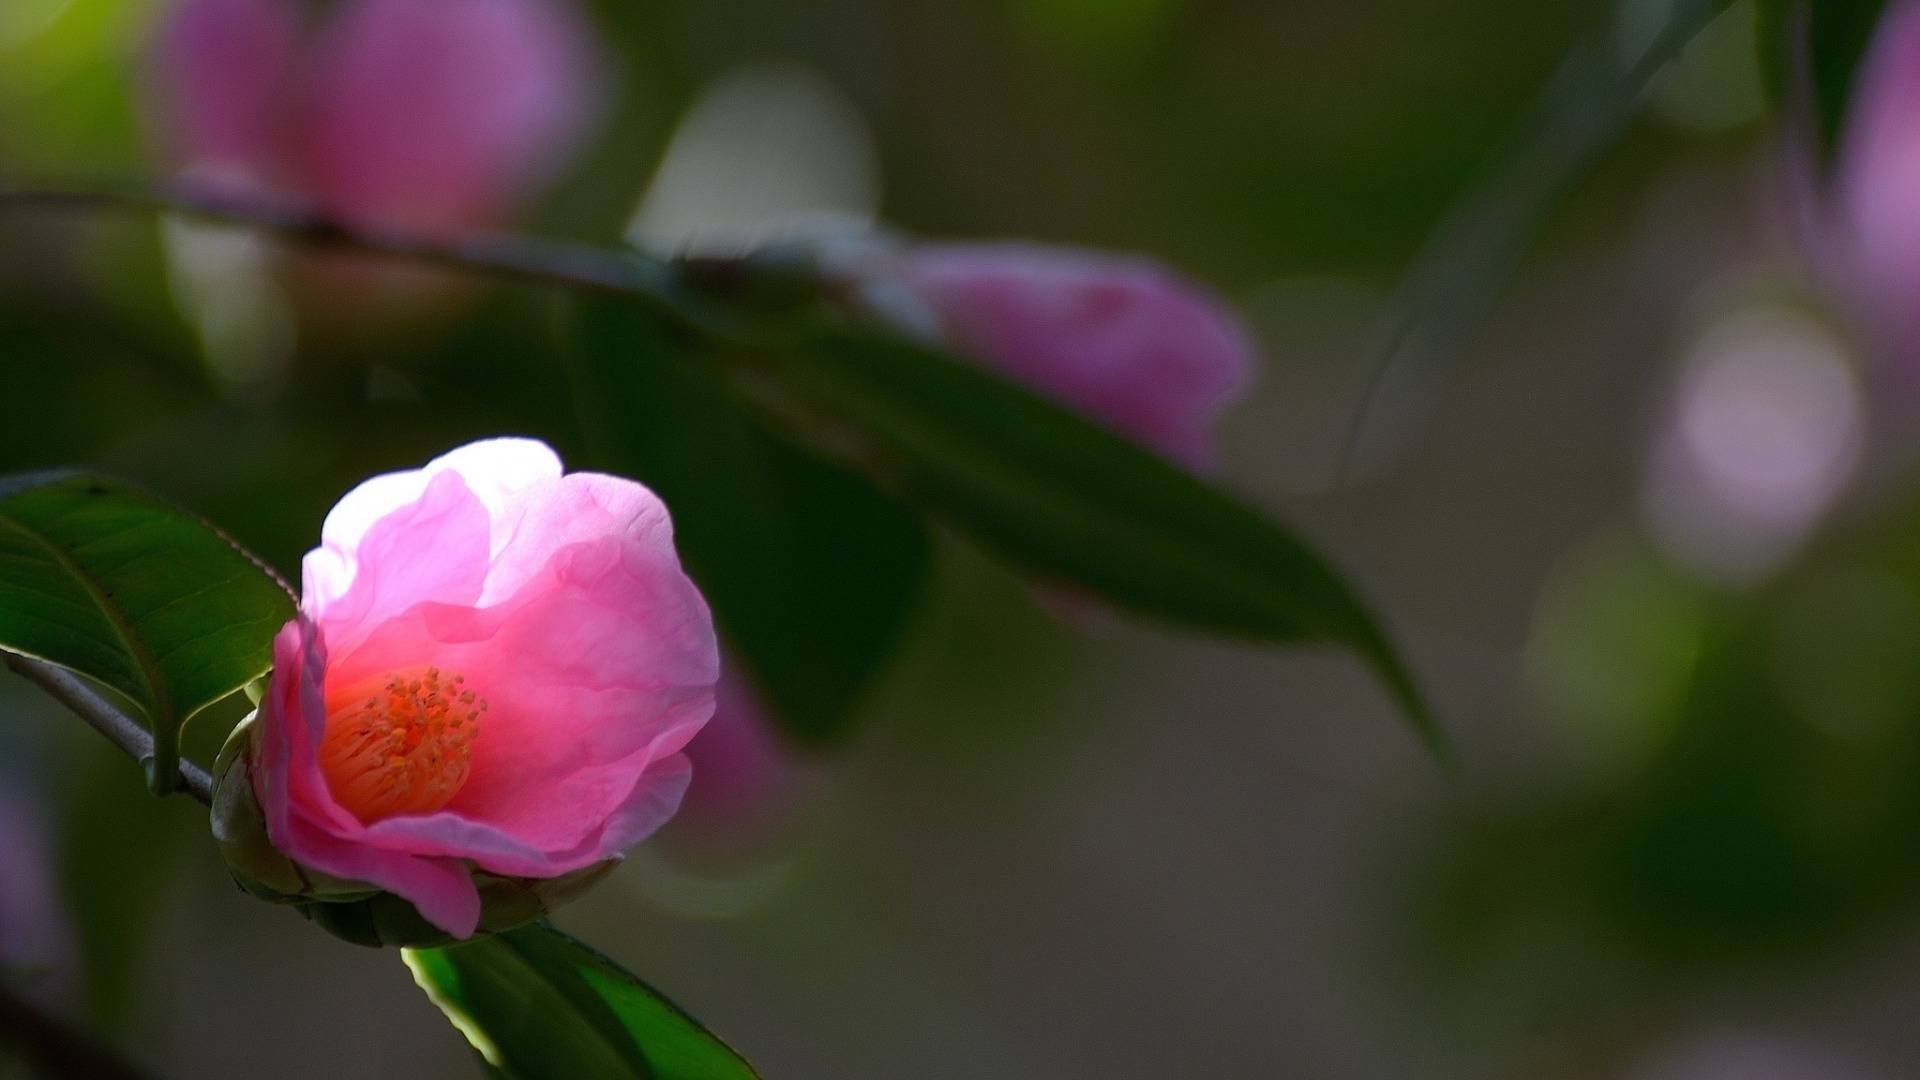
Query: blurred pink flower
[(1763, 436), (429, 114), (1121, 339), (493, 663), (1877, 181), (223, 71), (746, 779)]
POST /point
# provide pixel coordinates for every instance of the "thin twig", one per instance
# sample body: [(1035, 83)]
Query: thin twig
[(108, 719), (1581, 113), (520, 258), (54, 1047)]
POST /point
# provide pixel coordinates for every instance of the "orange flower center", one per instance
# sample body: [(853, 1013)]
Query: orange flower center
[(399, 743)]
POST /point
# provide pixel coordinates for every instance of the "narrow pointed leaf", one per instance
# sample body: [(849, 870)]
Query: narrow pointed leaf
[(1069, 501), (118, 585), (538, 1004), (1438, 305)]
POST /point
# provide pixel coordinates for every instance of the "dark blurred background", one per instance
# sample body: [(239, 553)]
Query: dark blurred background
[(1643, 543)]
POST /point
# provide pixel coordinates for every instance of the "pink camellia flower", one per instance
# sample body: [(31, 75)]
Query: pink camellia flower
[(427, 114), (495, 667), (1121, 339)]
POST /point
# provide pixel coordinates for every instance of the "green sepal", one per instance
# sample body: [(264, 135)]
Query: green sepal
[(240, 831), (506, 903), (358, 911)]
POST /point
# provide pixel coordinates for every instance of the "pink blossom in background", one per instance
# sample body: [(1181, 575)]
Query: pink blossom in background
[(1877, 181), (746, 778), (437, 112), (1735, 1055), (224, 72), (428, 114), (1764, 434), (36, 941), (493, 662), (1121, 339)]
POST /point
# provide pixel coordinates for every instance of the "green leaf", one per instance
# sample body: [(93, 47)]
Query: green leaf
[(536, 1003), (1576, 119), (811, 572), (115, 584), (1071, 502)]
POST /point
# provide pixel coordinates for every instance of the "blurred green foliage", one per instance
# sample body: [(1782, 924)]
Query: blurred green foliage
[(1762, 812)]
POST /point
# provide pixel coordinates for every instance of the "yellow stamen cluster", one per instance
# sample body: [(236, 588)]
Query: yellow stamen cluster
[(401, 747)]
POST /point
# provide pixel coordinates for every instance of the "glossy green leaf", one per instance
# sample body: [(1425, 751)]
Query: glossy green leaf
[(536, 1003), (1071, 502), (812, 572), (113, 583)]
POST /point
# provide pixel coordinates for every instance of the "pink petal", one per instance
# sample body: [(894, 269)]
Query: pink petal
[(286, 774), (651, 796), (499, 472), (442, 888), (581, 507), (286, 777), (433, 550), (647, 807), (1121, 339), (298, 664)]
